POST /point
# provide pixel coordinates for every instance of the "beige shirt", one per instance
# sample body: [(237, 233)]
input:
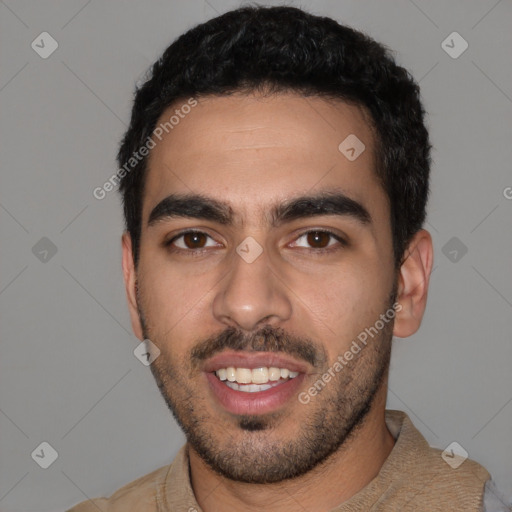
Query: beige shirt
[(413, 477)]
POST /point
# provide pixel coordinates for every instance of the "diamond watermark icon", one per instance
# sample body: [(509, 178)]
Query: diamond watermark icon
[(44, 250), (351, 147), (454, 45), (44, 45), (454, 455), (454, 249), (249, 250), (44, 455), (146, 352)]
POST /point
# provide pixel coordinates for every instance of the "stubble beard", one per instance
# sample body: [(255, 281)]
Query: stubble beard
[(253, 453)]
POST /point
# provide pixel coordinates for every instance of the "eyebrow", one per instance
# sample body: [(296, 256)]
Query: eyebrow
[(326, 203), (196, 206), (193, 206)]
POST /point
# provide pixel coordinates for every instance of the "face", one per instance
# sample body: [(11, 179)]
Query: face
[(265, 252)]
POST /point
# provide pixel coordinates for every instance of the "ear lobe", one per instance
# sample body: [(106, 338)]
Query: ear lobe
[(130, 281), (413, 281)]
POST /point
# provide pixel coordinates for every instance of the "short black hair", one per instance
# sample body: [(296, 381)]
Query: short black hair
[(285, 49)]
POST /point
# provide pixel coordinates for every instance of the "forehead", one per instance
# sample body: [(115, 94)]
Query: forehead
[(251, 151)]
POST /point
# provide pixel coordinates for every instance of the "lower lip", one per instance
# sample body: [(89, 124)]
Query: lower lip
[(260, 402)]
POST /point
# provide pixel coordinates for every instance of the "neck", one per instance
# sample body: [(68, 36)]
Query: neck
[(345, 473)]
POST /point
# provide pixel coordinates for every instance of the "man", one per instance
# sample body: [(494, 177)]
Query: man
[(274, 178)]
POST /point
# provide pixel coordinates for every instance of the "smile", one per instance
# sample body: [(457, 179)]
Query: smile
[(254, 383), (254, 380)]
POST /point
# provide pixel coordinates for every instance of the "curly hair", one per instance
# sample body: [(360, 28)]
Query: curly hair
[(284, 49)]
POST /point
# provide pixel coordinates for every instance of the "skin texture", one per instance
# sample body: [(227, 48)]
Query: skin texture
[(254, 152)]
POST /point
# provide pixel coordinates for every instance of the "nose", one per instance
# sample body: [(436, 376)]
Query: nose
[(252, 295)]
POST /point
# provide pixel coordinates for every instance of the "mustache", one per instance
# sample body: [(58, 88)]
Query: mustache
[(267, 339)]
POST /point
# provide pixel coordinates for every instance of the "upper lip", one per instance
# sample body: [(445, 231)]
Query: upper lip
[(251, 360)]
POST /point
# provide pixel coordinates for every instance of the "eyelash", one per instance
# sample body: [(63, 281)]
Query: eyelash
[(198, 252), (319, 251)]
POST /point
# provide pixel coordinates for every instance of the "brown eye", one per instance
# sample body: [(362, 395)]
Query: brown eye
[(318, 239), (194, 240)]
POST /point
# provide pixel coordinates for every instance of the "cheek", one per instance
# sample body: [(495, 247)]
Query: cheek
[(341, 304), (171, 298)]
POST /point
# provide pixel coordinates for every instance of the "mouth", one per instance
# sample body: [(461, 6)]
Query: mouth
[(253, 383)]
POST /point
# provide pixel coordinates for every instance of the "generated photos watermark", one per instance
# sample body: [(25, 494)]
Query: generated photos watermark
[(343, 359), (137, 156)]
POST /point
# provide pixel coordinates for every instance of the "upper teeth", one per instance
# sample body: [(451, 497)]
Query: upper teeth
[(254, 376)]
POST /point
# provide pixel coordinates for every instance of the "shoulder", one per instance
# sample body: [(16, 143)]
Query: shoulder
[(494, 501), (142, 494), (421, 475)]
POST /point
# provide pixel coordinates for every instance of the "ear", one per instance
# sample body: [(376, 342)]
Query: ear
[(413, 280), (130, 278)]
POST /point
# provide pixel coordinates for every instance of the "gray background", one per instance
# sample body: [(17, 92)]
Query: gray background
[(68, 375)]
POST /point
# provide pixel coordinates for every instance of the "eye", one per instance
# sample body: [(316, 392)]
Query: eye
[(318, 239), (192, 240)]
